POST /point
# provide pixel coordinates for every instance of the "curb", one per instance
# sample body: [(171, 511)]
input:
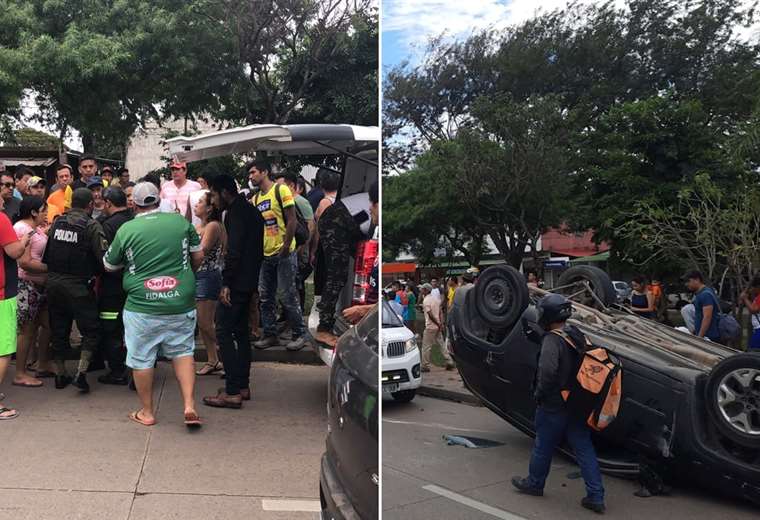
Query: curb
[(449, 395)]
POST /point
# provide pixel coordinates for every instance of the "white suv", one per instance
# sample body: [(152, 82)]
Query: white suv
[(400, 358)]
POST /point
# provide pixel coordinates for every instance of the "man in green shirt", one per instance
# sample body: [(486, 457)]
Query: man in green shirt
[(159, 253)]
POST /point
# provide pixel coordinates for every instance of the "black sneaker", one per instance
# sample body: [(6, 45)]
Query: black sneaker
[(596, 507), (81, 383), (62, 381), (523, 486), (111, 379)]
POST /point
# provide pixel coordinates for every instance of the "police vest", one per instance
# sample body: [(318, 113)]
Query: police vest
[(69, 246)]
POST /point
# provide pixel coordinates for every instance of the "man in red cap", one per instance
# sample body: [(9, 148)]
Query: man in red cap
[(176, 194)]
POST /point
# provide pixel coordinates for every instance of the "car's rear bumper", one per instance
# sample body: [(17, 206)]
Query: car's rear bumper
[(333, 498)]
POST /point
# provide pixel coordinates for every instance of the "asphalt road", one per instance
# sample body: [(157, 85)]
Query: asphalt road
[(423, 478), (78, 456)]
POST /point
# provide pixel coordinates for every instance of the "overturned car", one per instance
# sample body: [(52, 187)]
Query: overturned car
[(690, 409)]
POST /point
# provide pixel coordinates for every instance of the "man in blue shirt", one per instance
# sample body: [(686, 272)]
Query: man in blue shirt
[(705, 305)]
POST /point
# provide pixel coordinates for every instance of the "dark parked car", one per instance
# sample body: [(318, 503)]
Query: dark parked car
[(690, 408), (348, 484)]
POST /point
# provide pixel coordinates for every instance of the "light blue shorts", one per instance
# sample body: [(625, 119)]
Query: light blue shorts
[(148, 335)]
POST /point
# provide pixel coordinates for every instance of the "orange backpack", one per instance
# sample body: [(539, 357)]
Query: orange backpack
[(598, 385)]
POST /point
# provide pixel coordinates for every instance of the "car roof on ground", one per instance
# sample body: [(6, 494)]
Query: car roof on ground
[(302, 139)]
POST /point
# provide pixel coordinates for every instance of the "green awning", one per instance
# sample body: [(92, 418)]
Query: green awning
[(599, 257)]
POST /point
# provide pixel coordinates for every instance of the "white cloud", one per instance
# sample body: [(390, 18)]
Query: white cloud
[(413, 22)]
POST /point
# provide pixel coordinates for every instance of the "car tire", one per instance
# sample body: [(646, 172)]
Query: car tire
[(403, 396), (600, 283), (501, 296), (733, 391)]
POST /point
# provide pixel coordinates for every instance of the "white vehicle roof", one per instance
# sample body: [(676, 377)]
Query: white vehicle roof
[(312, 139)]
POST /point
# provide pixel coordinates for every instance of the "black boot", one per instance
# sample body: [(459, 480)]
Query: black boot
[(524, 486), (81, 383), (596, 507), (62, 381)]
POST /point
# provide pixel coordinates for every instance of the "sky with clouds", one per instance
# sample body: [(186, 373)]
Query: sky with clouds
[(407, 25)]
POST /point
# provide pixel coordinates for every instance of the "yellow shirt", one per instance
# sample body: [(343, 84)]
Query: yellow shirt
[(450, 296), (274, 223)]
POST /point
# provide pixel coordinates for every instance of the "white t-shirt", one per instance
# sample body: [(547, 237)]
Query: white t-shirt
[(176, 198)]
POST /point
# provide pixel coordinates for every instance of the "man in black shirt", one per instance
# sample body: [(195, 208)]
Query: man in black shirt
[(112, 296), (557, 365), (12, 204), (240, 278), (88, 167)]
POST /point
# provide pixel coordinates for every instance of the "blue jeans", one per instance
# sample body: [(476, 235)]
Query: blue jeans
[(551, 428), (280, 273)]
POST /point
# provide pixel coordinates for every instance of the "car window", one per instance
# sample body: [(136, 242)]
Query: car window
[(390, 318), (367, 329)]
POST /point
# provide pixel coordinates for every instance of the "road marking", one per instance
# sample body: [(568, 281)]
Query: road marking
[(480, 506), (438, 425), (310, 506)]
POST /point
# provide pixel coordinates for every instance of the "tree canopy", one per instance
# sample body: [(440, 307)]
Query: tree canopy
[(103, 67), (603, 109)]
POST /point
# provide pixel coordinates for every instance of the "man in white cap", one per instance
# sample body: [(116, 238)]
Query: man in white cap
[(159, 253)]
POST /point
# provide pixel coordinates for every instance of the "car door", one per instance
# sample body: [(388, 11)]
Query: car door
[(352, 442)]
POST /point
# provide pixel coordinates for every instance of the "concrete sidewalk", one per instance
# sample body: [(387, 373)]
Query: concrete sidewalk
[(78, 456), (446, 384)]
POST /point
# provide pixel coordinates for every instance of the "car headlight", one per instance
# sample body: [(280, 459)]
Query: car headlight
[(411, 345)]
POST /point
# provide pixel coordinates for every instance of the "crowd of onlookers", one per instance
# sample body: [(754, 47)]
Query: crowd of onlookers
[(136, 266)]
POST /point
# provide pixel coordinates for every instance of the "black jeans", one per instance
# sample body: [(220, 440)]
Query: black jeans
[(70, 301), (232, 334)]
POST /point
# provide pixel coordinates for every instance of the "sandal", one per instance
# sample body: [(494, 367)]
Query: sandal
[(3, 410), (192, 420), (135, 416), (209, 369)]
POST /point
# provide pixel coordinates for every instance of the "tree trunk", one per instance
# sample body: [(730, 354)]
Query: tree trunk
[(89, 144)]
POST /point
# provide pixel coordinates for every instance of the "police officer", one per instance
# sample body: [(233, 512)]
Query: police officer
[(554, 421), (74, 253), (111, 297)]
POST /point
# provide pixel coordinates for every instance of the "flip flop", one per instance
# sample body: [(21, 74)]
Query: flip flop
[(27, 385), (135, 416), (7, 417), (192, 420), (209, 369)]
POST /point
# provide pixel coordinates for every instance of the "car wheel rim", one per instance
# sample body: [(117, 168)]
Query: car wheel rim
[(497, 297), (739, 400)]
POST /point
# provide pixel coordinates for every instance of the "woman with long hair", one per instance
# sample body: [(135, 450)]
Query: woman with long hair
[(642, 299), (32, 307), (208, 278)]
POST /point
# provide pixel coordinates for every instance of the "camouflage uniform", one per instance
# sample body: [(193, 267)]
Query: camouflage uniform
[(338, 234)]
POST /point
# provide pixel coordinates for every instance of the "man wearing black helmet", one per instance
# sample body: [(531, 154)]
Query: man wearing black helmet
[(557, 365)]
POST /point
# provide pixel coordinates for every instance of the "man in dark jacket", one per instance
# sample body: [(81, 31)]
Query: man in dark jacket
[(74, 252), (558, 363), (240, 278), (112, 296)]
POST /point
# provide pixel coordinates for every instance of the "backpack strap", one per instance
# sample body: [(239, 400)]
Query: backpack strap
[(279, 201), (564, 335)]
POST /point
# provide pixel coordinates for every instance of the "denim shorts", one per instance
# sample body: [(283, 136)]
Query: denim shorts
[(147, 336), (208, 284)]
